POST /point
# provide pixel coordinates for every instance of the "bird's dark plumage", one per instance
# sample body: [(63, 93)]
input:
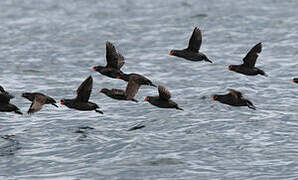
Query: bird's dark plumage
[(81, 102), (38, 100), (163, 100), (114, 62), (5, 105), (233, 98), (142, 80), (132, 88), (248, 66), (192, 52)]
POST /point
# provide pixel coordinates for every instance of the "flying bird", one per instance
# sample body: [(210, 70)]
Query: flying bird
[(5, 105), (233, 98), (114, 62), (163, 100), (249, 61), (38, 100), (132, 88), (192, 52), (81, 102)]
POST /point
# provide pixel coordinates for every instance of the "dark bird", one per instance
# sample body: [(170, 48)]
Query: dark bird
[(142, 80), (38, 100), (163, 100), (249, 61), (295, 80), (192, 51), (233, 98), (5, 105), (114, 62), (132, 88), (81, 102)]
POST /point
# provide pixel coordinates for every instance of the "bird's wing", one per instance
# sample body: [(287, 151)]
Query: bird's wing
[(114, 59), (195, 40), (164, 93), (251, 57), (236, 94), (132, 87), (37, 104), (84, 91)]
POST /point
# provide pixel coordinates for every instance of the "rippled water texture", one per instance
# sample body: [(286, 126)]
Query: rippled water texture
[(51, 46)]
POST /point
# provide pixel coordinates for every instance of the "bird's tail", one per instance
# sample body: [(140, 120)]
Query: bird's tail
[(96, 110), (134, 100), (54, 105), (179, 108), (208, 60), (18, 112), (250, 105)]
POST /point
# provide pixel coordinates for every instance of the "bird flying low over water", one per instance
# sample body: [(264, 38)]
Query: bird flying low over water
[(5, 105), (163, 100), (142, 80), (249, 61), (132, 88), (114, 62), (192, 52), (38, 100), (233, 98), (81, 102)]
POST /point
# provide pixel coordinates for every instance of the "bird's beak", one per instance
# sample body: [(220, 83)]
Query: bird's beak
[(100, 91), (293, 81), (146, 99), (229, 68), (94, 69), (118, 77), (212, 99), (170, 53), (62, 103), (23, 95)]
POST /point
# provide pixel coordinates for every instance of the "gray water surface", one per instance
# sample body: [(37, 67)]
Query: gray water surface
[(51, 46)]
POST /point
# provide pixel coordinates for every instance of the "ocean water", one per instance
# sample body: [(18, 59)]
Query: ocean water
[(51, 46)]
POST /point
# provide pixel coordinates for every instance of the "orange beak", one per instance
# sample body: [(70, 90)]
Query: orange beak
[(62, 103), (146, 99), (229, 69), (212, 99), (170, 53), (23, 96), (94, 69), (100, 91), (293, 81), (118, 77)]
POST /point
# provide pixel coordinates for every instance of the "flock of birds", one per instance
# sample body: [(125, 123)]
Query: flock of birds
[(113, 70)]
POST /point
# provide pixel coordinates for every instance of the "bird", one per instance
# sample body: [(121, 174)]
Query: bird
[(38, 100), (5, 105), (192, 52), (295, 80), (249, 61), (132, 88), (141, 79), (114, 62), (233, 98), (163, 100), (81, 102)]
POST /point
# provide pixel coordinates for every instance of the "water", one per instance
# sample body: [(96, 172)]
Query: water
[(51, 46)]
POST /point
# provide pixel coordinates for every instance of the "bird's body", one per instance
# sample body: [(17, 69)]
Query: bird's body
[(163, 100), (81, 102), (5, 105), (38, 100), (140, 79), (233, 98), (192, 52), (248, 66), (132, 88), (114, 62)]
